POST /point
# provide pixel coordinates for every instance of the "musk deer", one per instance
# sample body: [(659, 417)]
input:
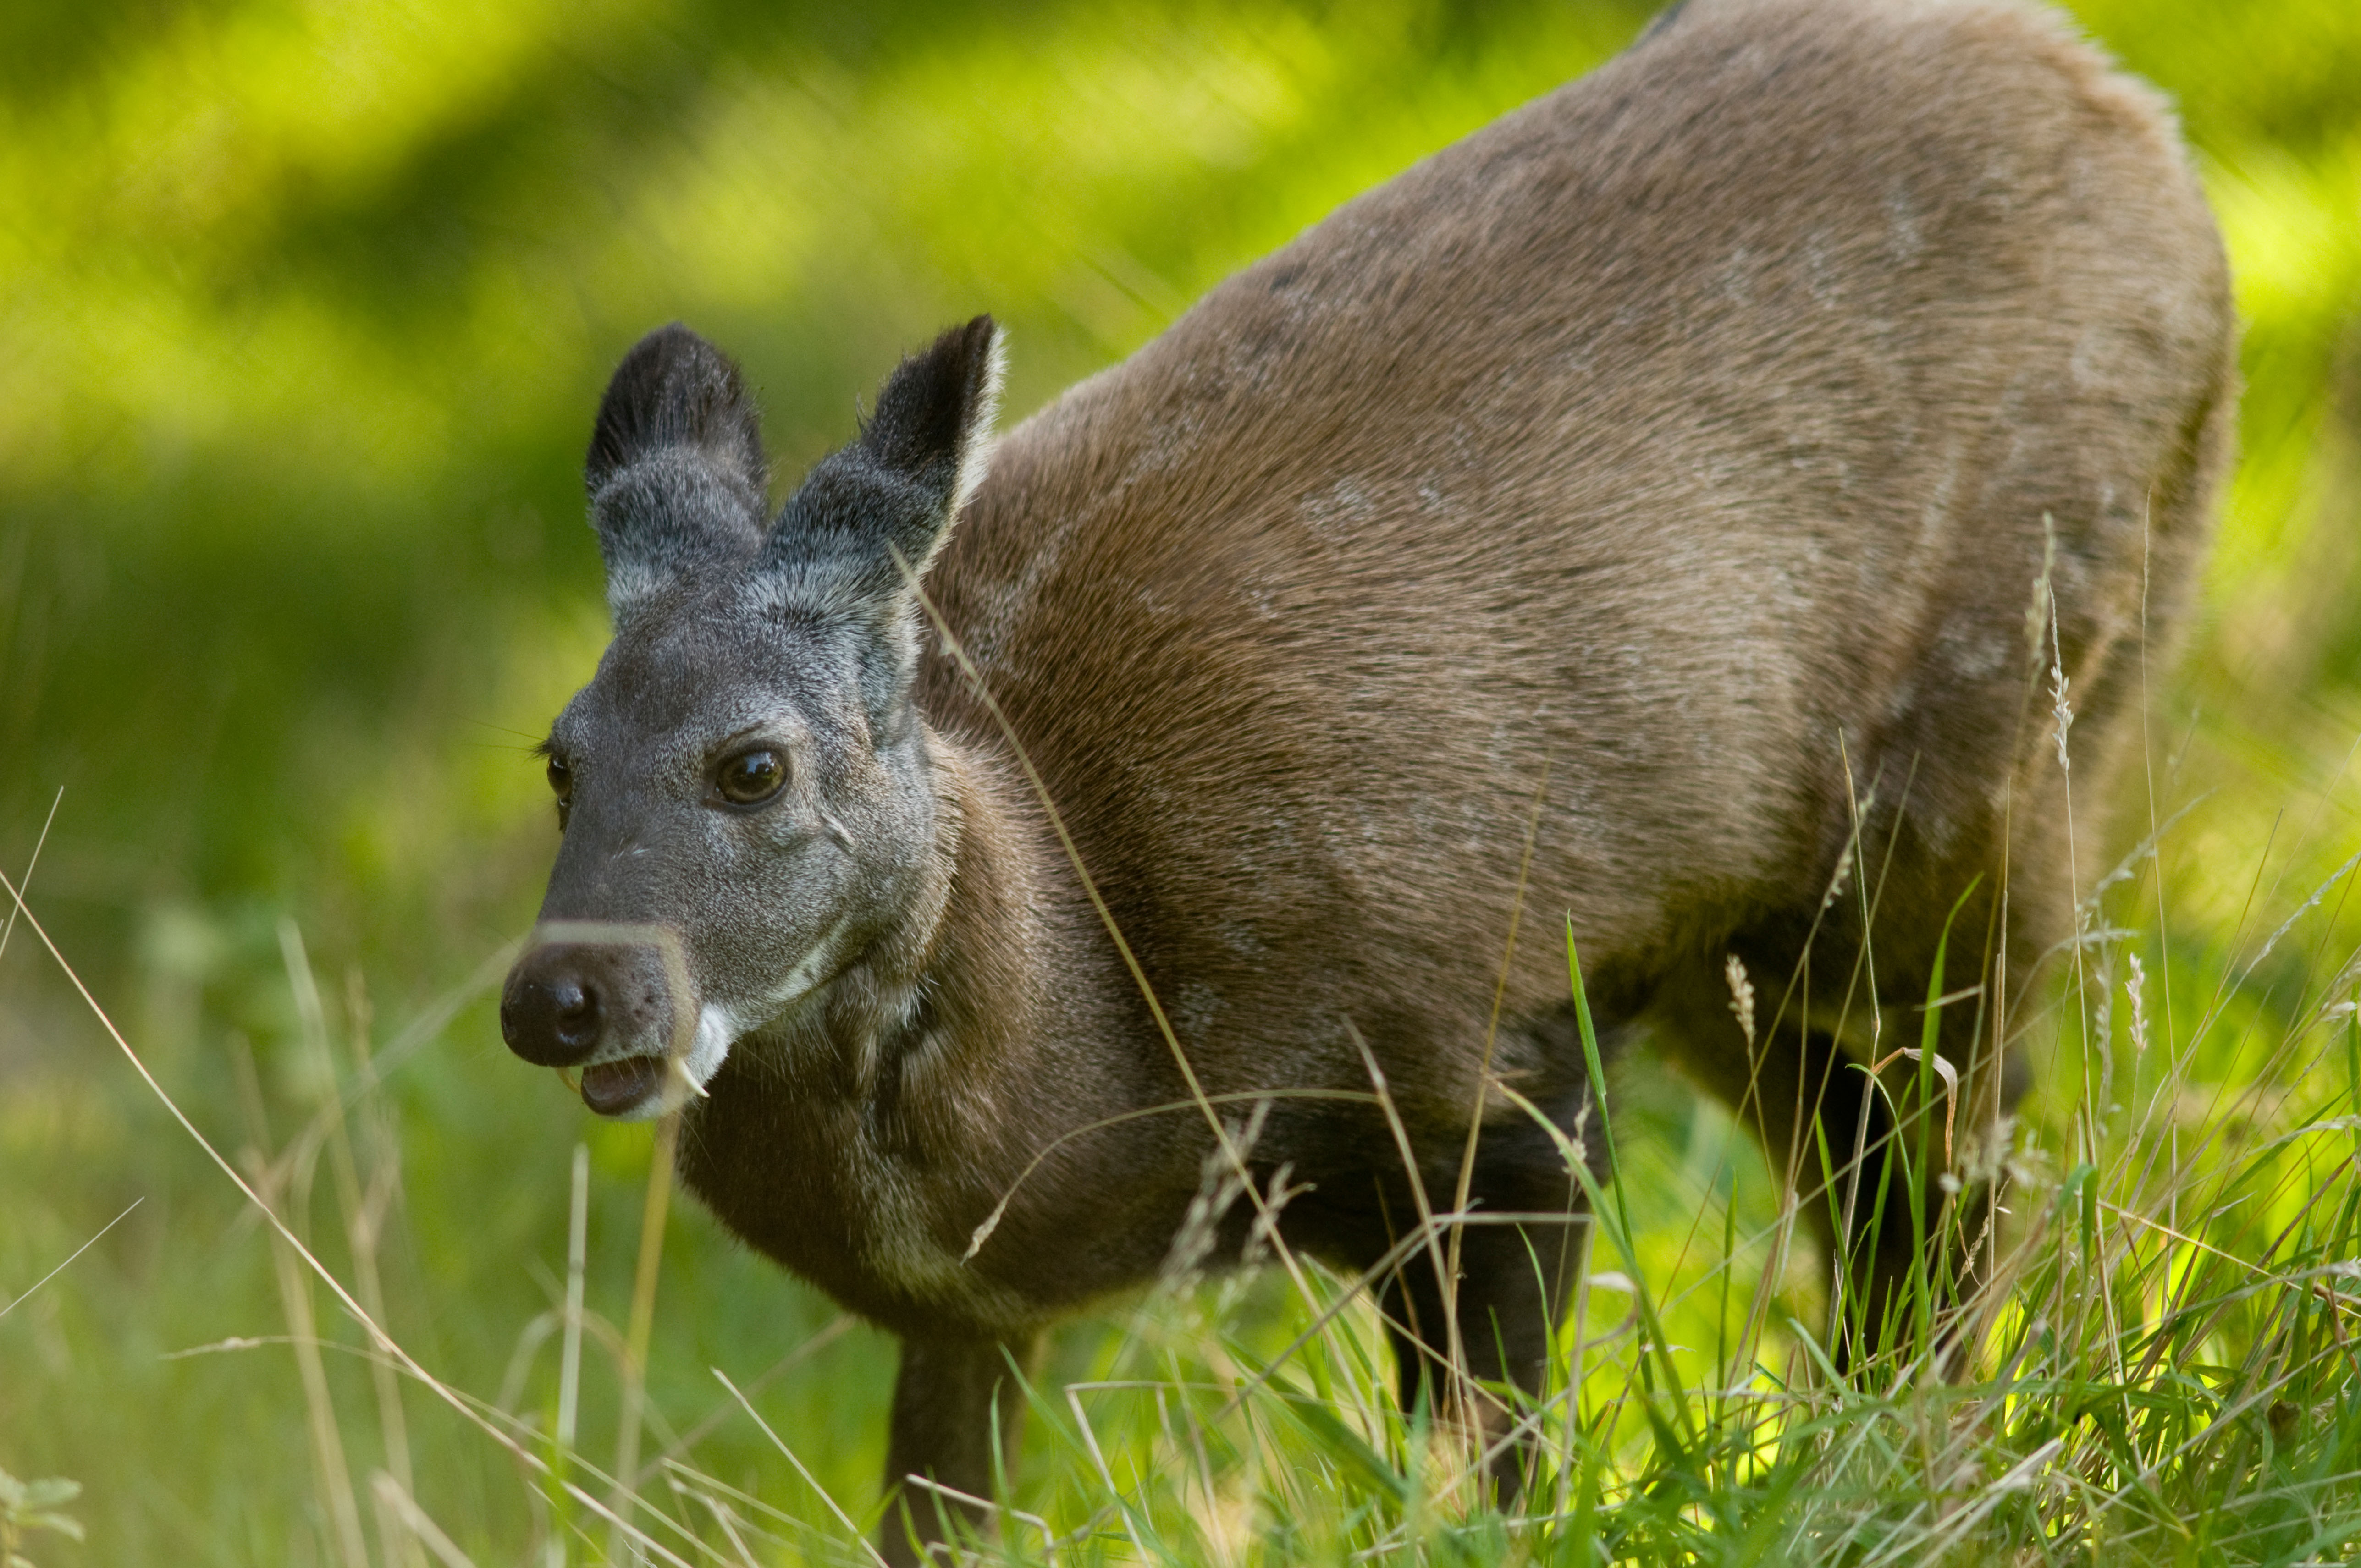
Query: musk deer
[(1631, 521)]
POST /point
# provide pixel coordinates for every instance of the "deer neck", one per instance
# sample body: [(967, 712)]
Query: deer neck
[(929, 1046), (869, 1139)]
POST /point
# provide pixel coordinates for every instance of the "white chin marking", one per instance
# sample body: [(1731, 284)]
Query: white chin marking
[(716, 1029)]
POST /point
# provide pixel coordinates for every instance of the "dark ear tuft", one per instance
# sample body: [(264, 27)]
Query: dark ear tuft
[(673, 389), (895, 491), (676, 468), (933, 403)]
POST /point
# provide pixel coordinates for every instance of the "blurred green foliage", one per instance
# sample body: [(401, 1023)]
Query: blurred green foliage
[(304, 308)]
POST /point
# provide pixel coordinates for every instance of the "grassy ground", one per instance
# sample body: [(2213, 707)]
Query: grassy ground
[(291, 564), (2165, 1364)]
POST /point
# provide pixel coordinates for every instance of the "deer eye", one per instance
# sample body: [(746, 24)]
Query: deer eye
[(561, 785), (751, 777)]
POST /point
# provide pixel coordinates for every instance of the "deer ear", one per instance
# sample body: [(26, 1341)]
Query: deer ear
[(881, 507), (675, 470)]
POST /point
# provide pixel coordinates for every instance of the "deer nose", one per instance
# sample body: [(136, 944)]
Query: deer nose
[(551, 1020)]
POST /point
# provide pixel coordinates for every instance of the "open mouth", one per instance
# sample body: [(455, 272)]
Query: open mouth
[(612, 1088)]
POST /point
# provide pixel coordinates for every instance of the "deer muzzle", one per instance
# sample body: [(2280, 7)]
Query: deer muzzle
[(602, 998)]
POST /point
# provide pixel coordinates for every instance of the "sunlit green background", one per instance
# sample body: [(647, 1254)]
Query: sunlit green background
[(304, 308)]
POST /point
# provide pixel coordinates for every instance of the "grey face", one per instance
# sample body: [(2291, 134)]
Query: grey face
[(744, 789)]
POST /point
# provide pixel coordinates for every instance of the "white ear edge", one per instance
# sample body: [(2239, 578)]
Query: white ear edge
[(977, 442)]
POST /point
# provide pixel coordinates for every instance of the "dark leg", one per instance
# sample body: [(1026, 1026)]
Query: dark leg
[(1931, 1140), (1857, 1167), (946, 1399), (1507, 1308), (1875, 1189), (1513, 1278)]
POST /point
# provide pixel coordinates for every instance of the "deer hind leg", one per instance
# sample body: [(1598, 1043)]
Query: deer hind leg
[(1938, 1127), (1864, 1159)]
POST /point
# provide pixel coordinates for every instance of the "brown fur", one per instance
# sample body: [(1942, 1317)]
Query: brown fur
[(1660, 473)]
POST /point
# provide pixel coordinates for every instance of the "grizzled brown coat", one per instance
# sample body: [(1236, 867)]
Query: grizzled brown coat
[(1611, 520)]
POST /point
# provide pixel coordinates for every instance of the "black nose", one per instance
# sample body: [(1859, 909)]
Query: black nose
[(551, 1019)]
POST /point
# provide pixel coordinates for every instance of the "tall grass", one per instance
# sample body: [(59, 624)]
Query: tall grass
[(2162, 1368)]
